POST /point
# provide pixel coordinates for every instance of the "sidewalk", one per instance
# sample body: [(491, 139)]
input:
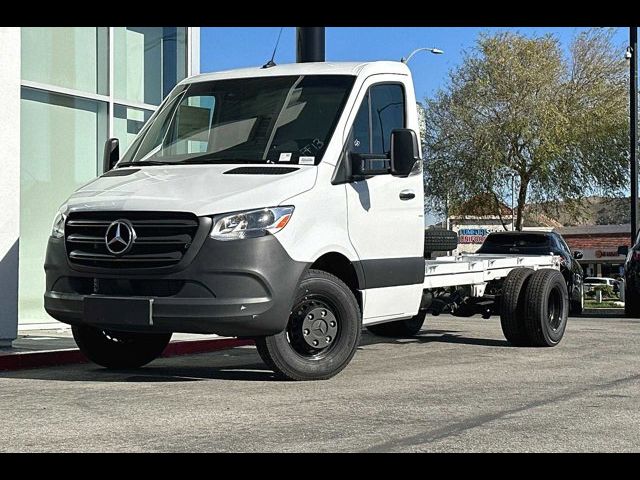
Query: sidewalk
[(45, 348)]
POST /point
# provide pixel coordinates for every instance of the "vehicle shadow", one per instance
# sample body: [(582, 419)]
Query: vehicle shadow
[(238, 364), (431, 336)]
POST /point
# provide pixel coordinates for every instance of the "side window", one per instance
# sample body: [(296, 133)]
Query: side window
[(387, 114), (382, 110)]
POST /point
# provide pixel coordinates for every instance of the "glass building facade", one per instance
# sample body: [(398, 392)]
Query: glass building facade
[(80, 86)]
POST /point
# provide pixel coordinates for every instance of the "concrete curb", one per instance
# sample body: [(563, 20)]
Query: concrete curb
[(50, 358)]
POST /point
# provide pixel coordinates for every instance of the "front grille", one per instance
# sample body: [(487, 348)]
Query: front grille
[(163, 238)]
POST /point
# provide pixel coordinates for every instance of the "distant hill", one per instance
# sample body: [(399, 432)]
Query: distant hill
[(590, 211)]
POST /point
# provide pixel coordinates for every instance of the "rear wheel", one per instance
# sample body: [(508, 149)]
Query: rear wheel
[(117, 350), (322, 334), (546, 308), (512, 303), (400, 328)]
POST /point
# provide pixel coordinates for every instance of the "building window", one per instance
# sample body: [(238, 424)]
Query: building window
[(60, 142), (149, 61), (127, 122), (69, 57), (69, 108)]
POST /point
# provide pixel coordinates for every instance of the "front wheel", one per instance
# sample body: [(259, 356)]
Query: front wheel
[(119, 350), (577, 306), (631, 304), (322, 334)]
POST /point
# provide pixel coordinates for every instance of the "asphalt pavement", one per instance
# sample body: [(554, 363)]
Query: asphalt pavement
[(458, 386)]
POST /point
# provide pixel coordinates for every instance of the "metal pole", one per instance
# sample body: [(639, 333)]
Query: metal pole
[(310, 44), (513, 193), (633, 137)]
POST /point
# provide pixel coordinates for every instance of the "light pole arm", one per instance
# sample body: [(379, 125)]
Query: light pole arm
[(435, 51)]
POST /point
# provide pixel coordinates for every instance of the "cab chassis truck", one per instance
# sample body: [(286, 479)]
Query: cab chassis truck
[(282, 204)]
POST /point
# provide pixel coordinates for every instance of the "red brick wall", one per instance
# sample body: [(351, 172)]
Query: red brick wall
[(609, 241)]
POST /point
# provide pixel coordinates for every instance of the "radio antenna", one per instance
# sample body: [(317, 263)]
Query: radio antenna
[(271, 63)]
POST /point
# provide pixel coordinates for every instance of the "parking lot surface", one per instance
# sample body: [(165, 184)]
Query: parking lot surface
[(457, 386)]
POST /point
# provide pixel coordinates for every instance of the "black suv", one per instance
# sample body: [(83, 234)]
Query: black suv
[(632, 279), (542, 243)]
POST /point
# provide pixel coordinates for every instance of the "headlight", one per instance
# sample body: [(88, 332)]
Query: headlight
[(250, 224), (57, 231)]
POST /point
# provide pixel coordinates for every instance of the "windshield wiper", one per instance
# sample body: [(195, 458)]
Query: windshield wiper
[(209, 159), (143, 163)]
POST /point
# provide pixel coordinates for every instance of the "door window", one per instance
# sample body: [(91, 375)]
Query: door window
[(382, 111)]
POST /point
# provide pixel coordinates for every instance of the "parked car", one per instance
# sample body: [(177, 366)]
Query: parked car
[(632, 279), (591, 282), (539, 243)]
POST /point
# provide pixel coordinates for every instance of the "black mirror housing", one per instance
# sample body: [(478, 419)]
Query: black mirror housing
[(404, 151), (111, 154), (577, 254), (623, 250)]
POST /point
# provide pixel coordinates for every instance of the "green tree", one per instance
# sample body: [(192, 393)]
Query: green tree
[(519, 110)]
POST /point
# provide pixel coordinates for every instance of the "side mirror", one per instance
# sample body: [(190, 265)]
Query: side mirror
[(404, 151), (111, 154), (623, 250), (578, 255)]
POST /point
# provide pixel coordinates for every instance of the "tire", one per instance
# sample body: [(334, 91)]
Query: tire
[(631, 305), (119, 350), (577, 307), (512, 306), (546, 308), (326, 311), (439, 240), (400, 328)]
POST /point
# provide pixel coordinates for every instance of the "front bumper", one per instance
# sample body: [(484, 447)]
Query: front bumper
[(235, 288)]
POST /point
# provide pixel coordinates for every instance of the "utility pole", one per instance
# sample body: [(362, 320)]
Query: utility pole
[(310, 44), (633, 126)]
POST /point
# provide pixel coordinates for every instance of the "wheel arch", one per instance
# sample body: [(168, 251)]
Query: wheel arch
[(339, 265)]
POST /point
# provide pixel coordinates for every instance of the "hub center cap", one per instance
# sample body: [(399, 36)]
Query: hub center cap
[(319, 327)]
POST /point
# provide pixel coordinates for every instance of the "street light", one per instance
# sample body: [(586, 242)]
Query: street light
[(435, 51)]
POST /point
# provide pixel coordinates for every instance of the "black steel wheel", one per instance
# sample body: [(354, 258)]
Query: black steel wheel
[(322, 334)]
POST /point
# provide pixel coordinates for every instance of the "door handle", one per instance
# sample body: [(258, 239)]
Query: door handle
[(407, 195)]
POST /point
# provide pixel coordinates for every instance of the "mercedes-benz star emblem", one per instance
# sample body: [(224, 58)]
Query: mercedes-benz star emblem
[(120, 237)]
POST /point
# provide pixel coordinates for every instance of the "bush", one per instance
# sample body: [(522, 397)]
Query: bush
[(607, 291)]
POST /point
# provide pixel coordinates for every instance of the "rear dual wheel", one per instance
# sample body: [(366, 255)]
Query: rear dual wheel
[(534, 307)]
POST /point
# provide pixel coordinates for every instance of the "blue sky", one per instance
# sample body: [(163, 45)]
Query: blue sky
[(231, 47)]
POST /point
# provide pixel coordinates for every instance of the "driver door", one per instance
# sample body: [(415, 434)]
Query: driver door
[(385, 212)]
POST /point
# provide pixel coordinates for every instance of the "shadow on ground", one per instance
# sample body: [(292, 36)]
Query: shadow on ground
[(241, 364)]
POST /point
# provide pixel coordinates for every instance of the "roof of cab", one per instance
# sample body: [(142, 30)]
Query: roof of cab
[(311, 68)]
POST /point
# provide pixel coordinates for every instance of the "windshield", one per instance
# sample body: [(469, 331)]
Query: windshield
[(519, 243), (246, 120)]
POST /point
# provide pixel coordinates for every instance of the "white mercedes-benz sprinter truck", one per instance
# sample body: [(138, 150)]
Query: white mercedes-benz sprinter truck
[(283, 204)]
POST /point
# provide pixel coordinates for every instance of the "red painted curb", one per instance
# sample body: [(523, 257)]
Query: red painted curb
[(50, 358)]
